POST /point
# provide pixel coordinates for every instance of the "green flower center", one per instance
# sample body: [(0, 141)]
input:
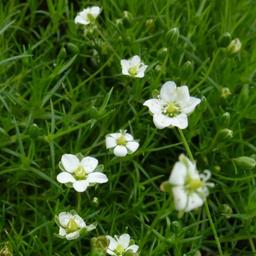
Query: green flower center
[(119, 250), (121, 141), (193, 184), (90, 17), (80, 173), (72, 226), (172, 109), (133, 71)]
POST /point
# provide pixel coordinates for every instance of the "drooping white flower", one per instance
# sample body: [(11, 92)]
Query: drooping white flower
[(80, 174), (88, 15), (71, 224), (133, 67), (189, 188), (122, 143), (172, 106), (119, 245)]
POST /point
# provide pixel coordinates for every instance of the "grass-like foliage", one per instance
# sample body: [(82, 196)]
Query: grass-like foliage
[(62, 91)]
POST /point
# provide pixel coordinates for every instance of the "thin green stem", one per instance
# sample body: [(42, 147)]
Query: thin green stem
[(185, 143), (78, 198), (252, 245), (213, 228)]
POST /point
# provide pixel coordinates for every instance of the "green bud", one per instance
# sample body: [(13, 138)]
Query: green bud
[(187, 69), (173, 35), (127, 18), (245, 162), (225, 92), (216, 168), (226, 133), (99, 246), (155, 93), (166, 186), (150, 25), (119, 22), (226, 210), (95, 201), (62, 53), (224, 39), (225, 118), (73, 48), (234, 46), (162, 52), (244, 94), (34, 131)]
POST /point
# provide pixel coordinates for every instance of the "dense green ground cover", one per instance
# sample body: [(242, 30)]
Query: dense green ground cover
[(62, 92)]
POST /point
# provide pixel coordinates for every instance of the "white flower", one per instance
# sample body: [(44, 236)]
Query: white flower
[(122, 143), (80, 174), (189, 188), (118, 246), (172, 106), (88, 15), (133, 67), (71, 224)]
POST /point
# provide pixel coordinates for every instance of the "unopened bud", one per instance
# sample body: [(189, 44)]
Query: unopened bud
[(245, 162), (224, 39), (234, 46), (225, 118), (95, 201), (99, 246), (150, 25), (226, 210), (226, 133), (225, 92), (173, 35), (127, 17), (187, 69), (62, 53), (166, 186), (72, 47), (162, 52)]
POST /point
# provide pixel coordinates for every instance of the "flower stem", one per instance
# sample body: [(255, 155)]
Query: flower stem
[(213, 228), (185, 143), (78, 198)]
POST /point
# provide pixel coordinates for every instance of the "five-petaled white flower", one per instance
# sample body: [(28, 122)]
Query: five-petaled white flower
[(133, 67), (119, 245), (71, 224), (122, 143), (189, 188), (88, 15), (172, 106), (80, 174)]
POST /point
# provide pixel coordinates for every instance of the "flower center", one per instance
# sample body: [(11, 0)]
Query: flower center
[(193, 184), (133, 71), (119, 250), (72, 226), (80, 173), (172, 109), (121, 141), (90, 17)]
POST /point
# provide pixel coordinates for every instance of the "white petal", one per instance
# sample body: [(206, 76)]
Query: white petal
[(132, 146), (180, 198), (65, 177), (135, 61), (178, 174), (161, 121), (155, 105), (70, 162), (73, 235), (112, 243), (182, 94), (115, 135), (125, 67), (190, 166), (79, 221), (110, 142), (62, 232), (180, 121), (168, 91), (134, 248), (124, 240), (89, 163), (190, 105), (97, 177), (95, 11), (128, 137), (64, 218), (80, 185), (120, 151), (81, 20), (194, 201)]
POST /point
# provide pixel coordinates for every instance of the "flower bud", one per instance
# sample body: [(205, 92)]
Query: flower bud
[(234, 46), (225, 92), (162, 52), (224, 39), (99, 246), (173, 35), (226, 210), (225, 118), (226, 133), (187, 69), (127, 18), (73, 48), (166, 186), (150, 25), (6, 250), (245, 162), (62, 53)]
